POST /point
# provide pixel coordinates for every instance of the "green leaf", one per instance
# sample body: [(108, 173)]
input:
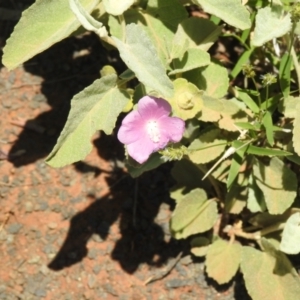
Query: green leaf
[(278, 184), (187, 99), (294, 158), (223, 260), (285, 74), (262, 151), (247, 126), (296, 130), (200, 246), (188, 177), (269, 275), (255, 200), (244, 58), (117, 7), (291, 235), (265, 219), (268, 124), (130, 16), (232, 113), (188, 209), (43, 24), (244, 96), (95, 108), (141, 57), (213, 79), (206, 147), (192, 59), (161, 20), (204, 221), (230, 11), (188, 36), (271, 22), (86, 20), (266, 151), (237, 161), (211, 110), (288, 106), (135, 169), (236, 199)]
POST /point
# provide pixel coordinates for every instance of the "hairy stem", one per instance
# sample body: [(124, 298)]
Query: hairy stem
[(257, 235)]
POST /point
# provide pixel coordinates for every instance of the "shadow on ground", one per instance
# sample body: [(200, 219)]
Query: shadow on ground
[(66, 69), (136, 204)]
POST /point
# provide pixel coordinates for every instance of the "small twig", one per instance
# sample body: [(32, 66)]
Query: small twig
[(8, 214), (29, 125), (165, 272)]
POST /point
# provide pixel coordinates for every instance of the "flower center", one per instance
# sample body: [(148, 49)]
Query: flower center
[(153, 131)]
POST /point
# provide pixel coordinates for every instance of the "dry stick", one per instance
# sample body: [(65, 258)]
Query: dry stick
[(5, 221), (165, 272)]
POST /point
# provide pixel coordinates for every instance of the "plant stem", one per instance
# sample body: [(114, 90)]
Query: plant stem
[(123, 24), (296, 65), (257, 235), (258, 93), (267, 96)]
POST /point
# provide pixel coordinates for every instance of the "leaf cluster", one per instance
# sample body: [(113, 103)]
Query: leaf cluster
[(237, 165)]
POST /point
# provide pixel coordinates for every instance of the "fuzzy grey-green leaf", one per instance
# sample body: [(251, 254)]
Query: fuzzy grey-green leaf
[(187, 209), (142, 58), (269, 275), (117, 7), (291, 235), (95, 108), (271, 22), (223, 260), (230, 11), (43, 24), (278, 184)]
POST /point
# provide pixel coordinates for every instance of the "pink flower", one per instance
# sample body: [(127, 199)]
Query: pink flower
[(149, 128)]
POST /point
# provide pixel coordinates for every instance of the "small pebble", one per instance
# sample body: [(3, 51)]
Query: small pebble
[(52, 225), (14, 228), (92, 280), (10, 238), (93, 253), (56, 208), (77, 200), (40, 292), (39, 98), (34, 260), (175, 283), (97, 269), (97, 238), (44, 269), (43, 206), (28, 207)]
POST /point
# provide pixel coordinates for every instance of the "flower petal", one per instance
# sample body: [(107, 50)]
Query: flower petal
[(141, 149), (172, 128), (132, 128), (153, 108)]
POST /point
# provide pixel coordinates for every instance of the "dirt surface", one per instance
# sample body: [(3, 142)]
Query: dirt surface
[(86, 231)]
